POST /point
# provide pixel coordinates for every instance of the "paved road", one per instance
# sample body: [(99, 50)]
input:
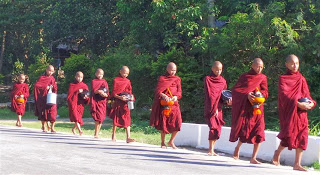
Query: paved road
[(29, 151)]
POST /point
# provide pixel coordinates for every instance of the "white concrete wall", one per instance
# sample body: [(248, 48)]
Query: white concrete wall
[(196, 135)]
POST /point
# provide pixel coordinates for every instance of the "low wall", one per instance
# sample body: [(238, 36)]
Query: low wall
[(196, 135)]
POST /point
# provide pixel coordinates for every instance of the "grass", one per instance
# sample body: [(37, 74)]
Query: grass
[(140, 130)]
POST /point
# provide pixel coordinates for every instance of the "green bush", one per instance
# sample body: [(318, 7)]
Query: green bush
[(77, 63)]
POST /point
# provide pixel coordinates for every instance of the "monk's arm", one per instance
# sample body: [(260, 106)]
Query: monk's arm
[(179, 91), (26, 93), (264, 87)]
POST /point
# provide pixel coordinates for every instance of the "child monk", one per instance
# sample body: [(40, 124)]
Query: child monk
[(99, 94), (293, 114), (214, 84), (19, 95), (169, 90), (120, 113), (46, 113), (76, 99), (245, 125)]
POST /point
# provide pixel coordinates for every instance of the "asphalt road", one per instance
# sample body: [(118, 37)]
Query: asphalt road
[(29, 151)]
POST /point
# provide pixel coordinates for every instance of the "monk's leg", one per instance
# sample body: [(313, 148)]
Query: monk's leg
[(52, 127), (77, 124), (254, 154), (20, 122), (171, 141), (43, 128), (237, 150), (297, 162), (276, 156), (211, 148), (114, 128), (163, 137), (128, 135), (48, 126), (74, 128), (96, 129)]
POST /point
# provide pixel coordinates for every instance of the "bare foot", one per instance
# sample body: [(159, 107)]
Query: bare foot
[(43, 129), (96, 137), (80, 133), (212, 154), (73, 131), (276, 158), (114, 138), (299, 168), (129, 140), (17, 124), (53, 131), (172, 145), (236, 153), (255, 161), (163, 146)]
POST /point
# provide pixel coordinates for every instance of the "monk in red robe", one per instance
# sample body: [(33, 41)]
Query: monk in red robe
[(293, 114), (120, 113), (99, 94), (46, 113), (246, 126), (169, 90), (214, 84), (77, 99), (19, 96)]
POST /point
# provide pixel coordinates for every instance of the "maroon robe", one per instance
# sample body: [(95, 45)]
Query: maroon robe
[(293, 121), (245, 126), (43, 111), (120, 113), (98, 103), (19, 89), (171, 123), (76, 103), (213, 86)]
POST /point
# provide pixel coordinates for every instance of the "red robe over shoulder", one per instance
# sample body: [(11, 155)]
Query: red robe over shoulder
[(293, 121), (245, 126), (19, 89), (98, 103), (213, 86), (171, 123), (120, 113), (75, 103), (43, 111)]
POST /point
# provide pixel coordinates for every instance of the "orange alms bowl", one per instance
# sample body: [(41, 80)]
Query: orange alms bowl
[(165, 103), (19, 100)]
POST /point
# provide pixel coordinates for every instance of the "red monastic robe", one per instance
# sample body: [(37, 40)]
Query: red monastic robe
[(120, 113), (76, 103), (171, 123), (247, 127), (98, 103), (213, 86), (19, 89), (293, 121), (43, 111)]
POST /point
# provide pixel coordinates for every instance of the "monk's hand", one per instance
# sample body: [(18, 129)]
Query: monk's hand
[(165, 97), (309, 105), (22, 96), (229, 102), (305, 105), (251, 97), (80, 90), (174, 98), (123, 98), (48, 87), (216, 113), (104, 95)]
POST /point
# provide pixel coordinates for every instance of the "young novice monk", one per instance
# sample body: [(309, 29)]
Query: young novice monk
[(19, 95), (293, 114), (214, 84), (246, 126), (120, 113), (45, 112), (169, 86), (99, 94), (76, 99)]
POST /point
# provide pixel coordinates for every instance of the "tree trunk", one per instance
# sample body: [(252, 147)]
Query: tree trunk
[(2, 49), (211, 17)]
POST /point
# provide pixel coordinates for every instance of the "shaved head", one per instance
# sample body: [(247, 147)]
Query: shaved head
[(292, 63), (21, 78), (124, 71), (49, 70), (99, 70), (217, 68), (257, 65), (79, 73), (50, 67), (99, 73), (291, 57), (172, 68)]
